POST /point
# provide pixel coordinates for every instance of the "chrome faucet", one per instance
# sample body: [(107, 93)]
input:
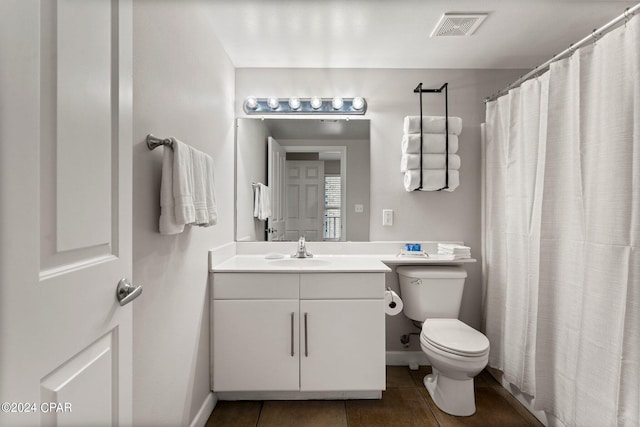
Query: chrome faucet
[(302, 250)]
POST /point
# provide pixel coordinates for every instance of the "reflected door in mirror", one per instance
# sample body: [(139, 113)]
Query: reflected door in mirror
[(276, 170), (305, 200)]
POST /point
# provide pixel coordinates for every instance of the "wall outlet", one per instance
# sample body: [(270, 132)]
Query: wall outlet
[(359, 208), (387, 217)]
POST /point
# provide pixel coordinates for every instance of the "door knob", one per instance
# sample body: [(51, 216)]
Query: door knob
[(126, 292)]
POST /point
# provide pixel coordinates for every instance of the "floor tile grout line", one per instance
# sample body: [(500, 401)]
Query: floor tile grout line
[(259, 412), (426, 402), (346, 412)]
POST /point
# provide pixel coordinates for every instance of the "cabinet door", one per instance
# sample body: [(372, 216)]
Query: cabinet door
[(342, 345), (255, 345)]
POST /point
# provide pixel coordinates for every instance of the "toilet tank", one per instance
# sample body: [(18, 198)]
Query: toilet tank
[(431, 291)]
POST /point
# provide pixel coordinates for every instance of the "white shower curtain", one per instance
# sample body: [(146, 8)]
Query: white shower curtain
[(562, 224)]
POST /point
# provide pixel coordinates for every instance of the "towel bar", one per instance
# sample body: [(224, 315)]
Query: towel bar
[(154, 142), (420, 90)]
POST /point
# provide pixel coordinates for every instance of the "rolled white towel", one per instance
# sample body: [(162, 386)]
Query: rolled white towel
[(432, 179), (432, 124), (429, 161), (433, 143)]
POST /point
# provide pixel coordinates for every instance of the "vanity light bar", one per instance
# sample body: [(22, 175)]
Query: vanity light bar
[(295, 105)]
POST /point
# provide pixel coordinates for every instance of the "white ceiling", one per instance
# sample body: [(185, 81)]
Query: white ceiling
[(395, 33)]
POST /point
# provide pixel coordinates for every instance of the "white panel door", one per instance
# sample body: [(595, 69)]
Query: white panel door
[(304, 200), (342, 345), (65, 204), (276, 173), (255, 345)]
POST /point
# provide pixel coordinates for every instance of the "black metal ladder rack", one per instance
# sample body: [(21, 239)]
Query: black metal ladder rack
[(444, 88)]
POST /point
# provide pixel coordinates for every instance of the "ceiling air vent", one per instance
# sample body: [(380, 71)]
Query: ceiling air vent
[(458, 24)]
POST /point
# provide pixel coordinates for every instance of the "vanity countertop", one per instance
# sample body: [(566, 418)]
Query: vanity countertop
[(370, 263), (317, 264), (433, 259)]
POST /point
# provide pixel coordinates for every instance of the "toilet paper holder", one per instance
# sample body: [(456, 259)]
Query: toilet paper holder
[(392, 304)]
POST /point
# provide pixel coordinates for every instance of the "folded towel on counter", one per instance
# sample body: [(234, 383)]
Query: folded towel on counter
[(261, 202), (432, 124), (429, 161), (432, 179), (433, 143), (451, 257), (453, 249)]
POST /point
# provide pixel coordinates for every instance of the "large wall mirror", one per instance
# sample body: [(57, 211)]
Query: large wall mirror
[(317, 172)]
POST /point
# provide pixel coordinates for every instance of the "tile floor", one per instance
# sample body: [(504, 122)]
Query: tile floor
[(405, 403)]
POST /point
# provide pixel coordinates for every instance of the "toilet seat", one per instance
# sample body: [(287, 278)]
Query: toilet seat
[(455, 337)]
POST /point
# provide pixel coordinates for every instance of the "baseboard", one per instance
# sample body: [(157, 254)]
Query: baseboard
[(200, 420), (406, 358), (300, 395)]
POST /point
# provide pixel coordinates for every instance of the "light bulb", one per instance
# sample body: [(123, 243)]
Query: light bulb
[(251, 102), (316, 102), (337, 103), (273, 103), (358, 103), (294, 102)]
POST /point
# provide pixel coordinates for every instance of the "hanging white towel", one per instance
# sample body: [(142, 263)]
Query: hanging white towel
[(210, 193), (200, 177), (256, 200), (429, 161), (432, 124), (432, 179), (168, 223), (262, 202), (206, 213), (185, 211), (187, 194), (434, 143)]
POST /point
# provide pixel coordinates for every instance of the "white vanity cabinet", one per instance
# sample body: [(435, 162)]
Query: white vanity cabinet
[(255, 332), (306, 332), (342, 340)]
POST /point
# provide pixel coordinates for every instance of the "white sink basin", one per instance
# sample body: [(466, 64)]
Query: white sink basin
[(300, 262)]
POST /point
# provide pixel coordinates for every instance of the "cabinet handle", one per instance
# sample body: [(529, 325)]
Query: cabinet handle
[(292, 353), (306, 337)]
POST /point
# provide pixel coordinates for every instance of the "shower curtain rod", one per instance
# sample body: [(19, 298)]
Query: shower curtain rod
[(595, 35)]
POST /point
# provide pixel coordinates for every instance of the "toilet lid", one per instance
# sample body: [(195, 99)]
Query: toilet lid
[(453, 336)]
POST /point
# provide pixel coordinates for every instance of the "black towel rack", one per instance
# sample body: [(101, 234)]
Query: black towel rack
[(419, 89)]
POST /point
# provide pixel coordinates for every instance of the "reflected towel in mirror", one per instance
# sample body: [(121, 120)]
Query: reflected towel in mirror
[(261, 201)]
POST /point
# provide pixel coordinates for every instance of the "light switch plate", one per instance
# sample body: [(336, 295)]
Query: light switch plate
[(387, 217), (359, 208)]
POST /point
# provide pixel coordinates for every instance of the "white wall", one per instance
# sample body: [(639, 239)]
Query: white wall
[(183, 86), (251, 164), (390, 97)]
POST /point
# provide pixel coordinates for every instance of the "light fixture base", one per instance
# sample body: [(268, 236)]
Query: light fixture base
[(327, 107)]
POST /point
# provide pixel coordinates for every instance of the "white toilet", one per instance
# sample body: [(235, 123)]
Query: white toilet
[(457, 352)]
